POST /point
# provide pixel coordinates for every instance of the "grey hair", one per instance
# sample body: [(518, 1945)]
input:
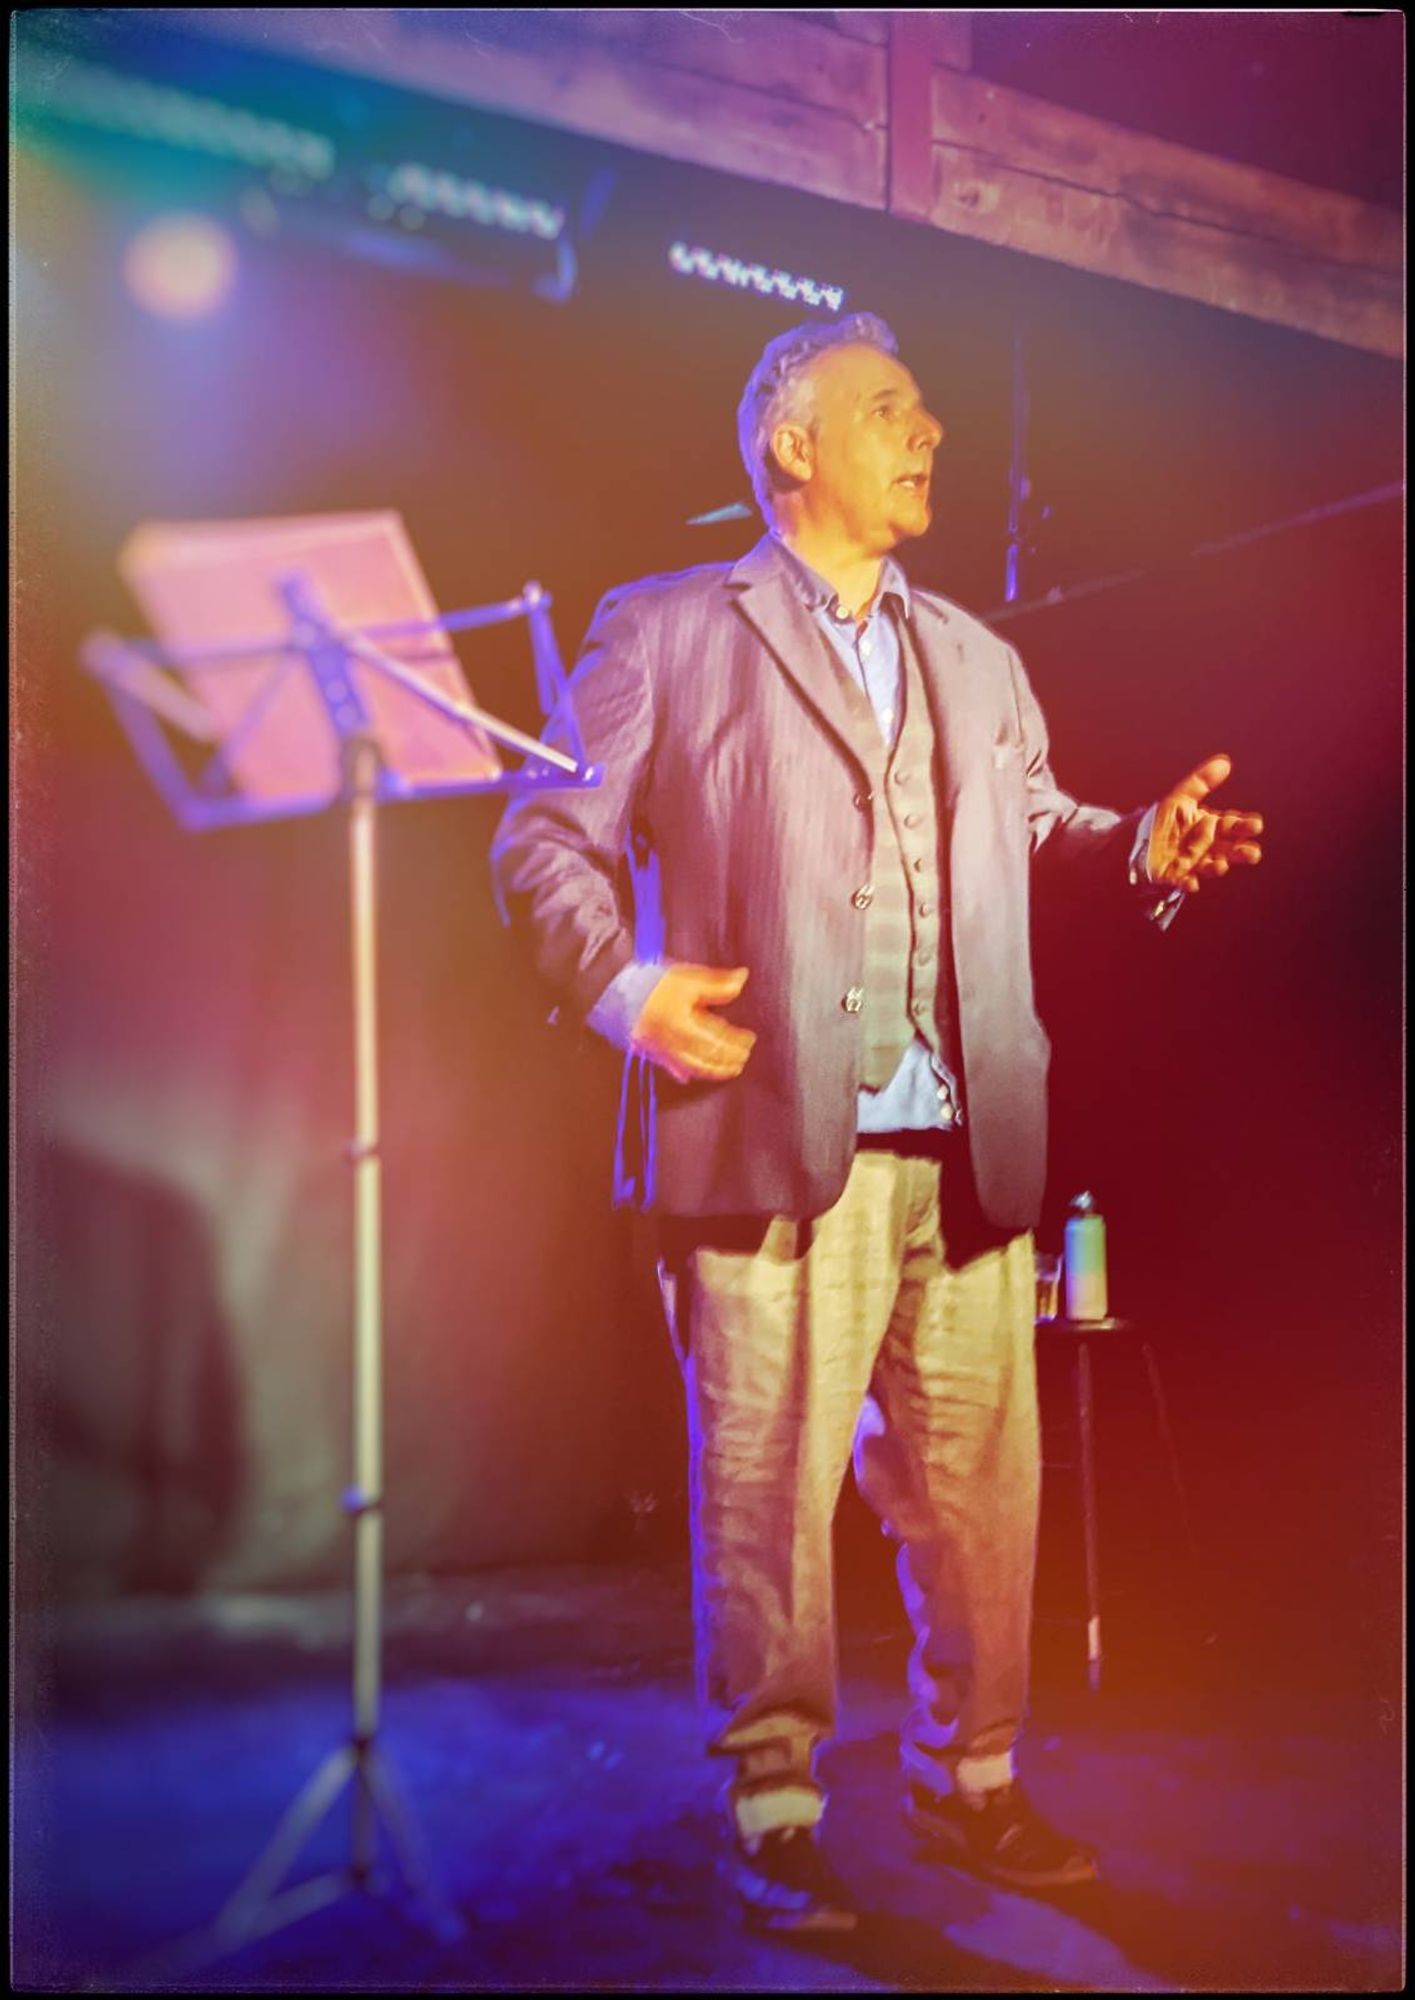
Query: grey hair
[(777, 391)]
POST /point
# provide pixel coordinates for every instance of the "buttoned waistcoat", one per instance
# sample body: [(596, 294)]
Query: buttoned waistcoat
[(906, 991), (736, 753)]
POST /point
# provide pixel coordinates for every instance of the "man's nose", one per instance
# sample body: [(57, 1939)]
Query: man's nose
[(928, 432)]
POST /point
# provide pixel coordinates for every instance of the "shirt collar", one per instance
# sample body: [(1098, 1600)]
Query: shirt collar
[(817, 595)]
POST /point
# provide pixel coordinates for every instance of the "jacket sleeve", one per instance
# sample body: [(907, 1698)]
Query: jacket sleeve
[(1061, 831), (558, 857)]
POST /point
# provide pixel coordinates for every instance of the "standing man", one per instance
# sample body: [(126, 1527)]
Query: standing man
[(844, 781)]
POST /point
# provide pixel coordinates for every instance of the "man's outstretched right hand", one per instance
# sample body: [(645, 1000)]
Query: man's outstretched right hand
[(678, 1030)]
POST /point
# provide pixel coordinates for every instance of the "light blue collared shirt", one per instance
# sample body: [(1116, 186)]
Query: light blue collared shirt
[(923, 1095)]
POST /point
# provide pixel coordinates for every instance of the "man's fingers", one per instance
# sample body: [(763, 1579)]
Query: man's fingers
[(1237, 838), (714, 985), (694, 1069), (707, 1050), (712, 1041), (694, 1059), (1210, 774), (687, 1071), (1245, 851), (1218, 862), (679, 1031), (1240, 826)]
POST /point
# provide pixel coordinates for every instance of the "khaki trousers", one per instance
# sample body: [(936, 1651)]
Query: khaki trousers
[(799, 1341)]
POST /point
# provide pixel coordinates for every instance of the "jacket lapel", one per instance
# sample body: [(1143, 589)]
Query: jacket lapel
[(770, 603)]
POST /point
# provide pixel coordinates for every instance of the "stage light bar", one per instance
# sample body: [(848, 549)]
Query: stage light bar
[(87, 94), (435, 192), (692, 262)]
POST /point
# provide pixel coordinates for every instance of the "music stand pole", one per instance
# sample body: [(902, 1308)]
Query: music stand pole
[(254, 1909), (365, 1501)]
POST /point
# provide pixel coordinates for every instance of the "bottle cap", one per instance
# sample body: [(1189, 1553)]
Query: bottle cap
[(1083, 1204)]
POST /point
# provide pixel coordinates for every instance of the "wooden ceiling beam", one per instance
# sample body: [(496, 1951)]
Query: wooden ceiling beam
[(1027, 175), (880, 110)]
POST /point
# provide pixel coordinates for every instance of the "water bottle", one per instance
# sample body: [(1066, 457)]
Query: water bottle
[(1084, 1258)]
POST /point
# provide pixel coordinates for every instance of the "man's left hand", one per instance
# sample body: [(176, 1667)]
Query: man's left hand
[(1189, 840)]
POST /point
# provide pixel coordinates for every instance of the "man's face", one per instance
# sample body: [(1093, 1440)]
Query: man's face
[(867, 465)]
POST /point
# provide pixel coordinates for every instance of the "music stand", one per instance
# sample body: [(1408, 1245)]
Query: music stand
[(308, 656)]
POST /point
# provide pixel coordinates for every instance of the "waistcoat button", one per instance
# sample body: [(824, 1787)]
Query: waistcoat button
[(862, 898), (854, 1000), (862, 800)]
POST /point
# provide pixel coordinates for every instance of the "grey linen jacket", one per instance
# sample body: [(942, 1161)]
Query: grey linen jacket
[(736, 750)]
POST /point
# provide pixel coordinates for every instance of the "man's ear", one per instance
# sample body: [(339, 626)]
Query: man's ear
[(793, 449)]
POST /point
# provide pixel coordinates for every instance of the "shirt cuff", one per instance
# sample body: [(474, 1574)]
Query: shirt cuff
[(1165, 908), (622, 1001)]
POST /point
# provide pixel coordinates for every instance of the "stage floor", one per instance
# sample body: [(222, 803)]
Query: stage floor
[(543, 1725)]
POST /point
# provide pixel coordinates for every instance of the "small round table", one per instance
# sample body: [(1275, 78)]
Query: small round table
[(1081, 1333)]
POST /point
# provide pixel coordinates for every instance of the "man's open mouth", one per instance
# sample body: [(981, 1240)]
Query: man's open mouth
[(916, 481)]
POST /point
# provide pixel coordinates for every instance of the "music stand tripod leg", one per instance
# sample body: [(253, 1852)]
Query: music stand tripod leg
[(253, 1909), (238, 1919), (409, 1847)]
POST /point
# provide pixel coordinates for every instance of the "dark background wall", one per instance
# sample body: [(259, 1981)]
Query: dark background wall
[(1230, 1091)]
